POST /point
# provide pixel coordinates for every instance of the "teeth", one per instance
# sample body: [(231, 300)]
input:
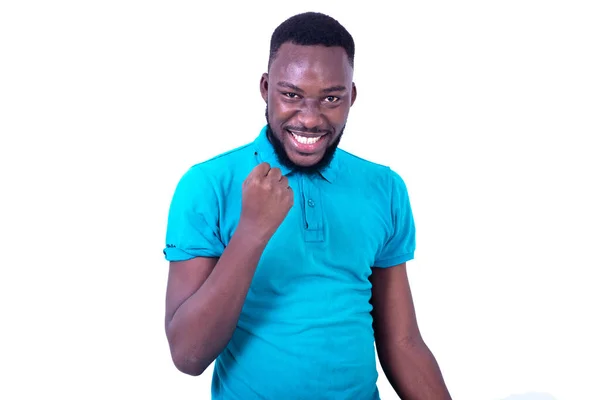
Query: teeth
[(305, 140)]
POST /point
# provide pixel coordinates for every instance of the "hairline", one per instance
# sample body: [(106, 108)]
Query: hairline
[(276, 54)]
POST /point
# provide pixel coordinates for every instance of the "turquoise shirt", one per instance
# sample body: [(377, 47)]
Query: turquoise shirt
[(305, 331)]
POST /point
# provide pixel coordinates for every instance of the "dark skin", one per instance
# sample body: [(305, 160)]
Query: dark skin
[(309, 91), (405, 359)]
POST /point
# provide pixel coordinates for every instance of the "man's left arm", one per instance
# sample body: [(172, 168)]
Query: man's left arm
[(406, 360)]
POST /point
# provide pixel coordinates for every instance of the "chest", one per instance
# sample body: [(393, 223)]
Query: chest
[(332, 234)]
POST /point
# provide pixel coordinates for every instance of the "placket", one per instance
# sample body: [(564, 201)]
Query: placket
[(312, 210)]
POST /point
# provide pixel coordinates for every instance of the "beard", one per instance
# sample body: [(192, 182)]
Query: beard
[(284, 160)]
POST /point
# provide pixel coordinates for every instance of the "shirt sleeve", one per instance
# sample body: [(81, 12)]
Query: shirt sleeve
[(400, 244), (192, 226)]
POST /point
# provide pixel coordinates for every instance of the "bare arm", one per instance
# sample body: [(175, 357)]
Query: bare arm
[(405, 359), (205, 296), (205, 299)]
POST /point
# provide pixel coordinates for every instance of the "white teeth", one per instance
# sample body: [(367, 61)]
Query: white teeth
[(305, 140)]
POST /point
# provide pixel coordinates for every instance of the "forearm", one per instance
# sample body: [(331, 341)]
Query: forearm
[(412, 370), (203, 325)]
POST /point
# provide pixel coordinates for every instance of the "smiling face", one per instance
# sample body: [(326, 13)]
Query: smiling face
[(309, 92)]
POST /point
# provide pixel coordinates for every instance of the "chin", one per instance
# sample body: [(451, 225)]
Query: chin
[(288, 155), (305, 161)]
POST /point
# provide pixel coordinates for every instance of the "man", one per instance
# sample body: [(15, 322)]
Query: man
[(288, 255)]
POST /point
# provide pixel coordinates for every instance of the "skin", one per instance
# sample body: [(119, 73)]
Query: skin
[(405, 359), (308, 90), (198, 327)]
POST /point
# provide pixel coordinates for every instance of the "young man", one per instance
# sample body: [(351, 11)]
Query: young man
[(288, 255)]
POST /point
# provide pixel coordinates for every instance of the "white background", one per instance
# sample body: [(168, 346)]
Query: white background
[(489, 110)]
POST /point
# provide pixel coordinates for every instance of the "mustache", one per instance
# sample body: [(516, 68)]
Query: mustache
[(316, 131)]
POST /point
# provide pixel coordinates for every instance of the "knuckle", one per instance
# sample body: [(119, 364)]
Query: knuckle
[(261, 168)]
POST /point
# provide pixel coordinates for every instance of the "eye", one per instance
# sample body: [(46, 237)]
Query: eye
[(331, 99), (291, 95)]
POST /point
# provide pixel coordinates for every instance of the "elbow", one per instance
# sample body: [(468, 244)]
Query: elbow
[(184, 358), (189, 368), (188, 365), (403, 343)]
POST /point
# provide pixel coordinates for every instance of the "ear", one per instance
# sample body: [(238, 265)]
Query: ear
[(353, 94), (264, 86)]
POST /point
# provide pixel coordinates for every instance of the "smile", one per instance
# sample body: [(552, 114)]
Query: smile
[(306, 139)]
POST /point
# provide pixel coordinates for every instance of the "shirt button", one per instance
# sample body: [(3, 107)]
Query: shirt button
[(311, 203)]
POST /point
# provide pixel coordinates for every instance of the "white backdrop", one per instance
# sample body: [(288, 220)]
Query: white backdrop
[(489, 110)]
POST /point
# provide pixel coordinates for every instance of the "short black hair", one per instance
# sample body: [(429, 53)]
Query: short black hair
[(311, 29)]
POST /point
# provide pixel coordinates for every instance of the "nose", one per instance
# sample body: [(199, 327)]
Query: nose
[(310, 115)]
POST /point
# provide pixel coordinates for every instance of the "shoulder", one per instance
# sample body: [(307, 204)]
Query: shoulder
[(211, 180), (226, 159), (367, 172), (222, 166)]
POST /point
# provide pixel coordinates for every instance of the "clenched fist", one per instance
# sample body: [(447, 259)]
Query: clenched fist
[(266, 200)]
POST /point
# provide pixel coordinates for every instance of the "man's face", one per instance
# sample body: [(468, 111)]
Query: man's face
[(309, 92)]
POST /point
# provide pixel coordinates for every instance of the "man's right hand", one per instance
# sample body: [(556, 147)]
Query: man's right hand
[(198, 326), (266, 201)]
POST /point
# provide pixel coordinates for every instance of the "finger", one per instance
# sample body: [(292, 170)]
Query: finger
[(275, 173), (286, 184), (260, 170)]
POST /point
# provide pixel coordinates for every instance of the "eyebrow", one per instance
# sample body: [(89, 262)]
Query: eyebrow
[(339, 88)]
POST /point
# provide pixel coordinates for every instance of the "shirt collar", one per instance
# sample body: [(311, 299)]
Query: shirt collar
[(264, 151)]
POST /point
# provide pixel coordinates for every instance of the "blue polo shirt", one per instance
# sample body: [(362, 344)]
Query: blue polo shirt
[(305, 331)]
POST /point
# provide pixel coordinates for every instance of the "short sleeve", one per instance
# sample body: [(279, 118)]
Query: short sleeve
[(400, 244), (192, 226)]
